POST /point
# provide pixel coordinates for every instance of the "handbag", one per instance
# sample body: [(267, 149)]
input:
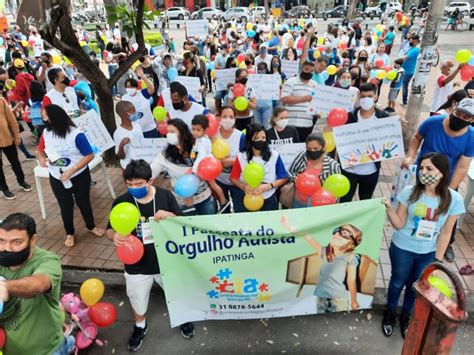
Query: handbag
[(287, 194)]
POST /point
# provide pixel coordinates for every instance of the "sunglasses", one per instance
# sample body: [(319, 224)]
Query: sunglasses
[(66, 98)]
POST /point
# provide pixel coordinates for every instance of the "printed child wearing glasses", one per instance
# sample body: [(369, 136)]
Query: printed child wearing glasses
[(339, 263)]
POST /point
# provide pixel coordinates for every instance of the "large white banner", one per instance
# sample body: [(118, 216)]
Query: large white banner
[(95, 131), (290, 67), (225, 77), (369, 141), (265, 86), (325, 98), (288, 152), (193, 85), (197, 28), (146, 149)]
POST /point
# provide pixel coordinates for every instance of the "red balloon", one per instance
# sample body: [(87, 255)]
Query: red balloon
[(388, 68), (241, 57), (467, 72), (131, 252), (238, 90), (209, 168), (163, 128), (315, 172), (307, 183), (321, 49), (213, 125), (322, 198), (102, 314), (374, 81), (3, 338), (337, 117), (343, 45), (379, 63)]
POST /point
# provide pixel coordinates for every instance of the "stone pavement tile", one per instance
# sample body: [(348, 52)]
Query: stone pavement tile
[(380, 283)]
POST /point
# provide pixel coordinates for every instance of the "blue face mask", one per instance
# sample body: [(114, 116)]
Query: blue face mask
[(138, 192), (135, 116)]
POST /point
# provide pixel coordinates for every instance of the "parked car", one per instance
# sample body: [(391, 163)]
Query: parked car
[(376, 11), (241, 13), (298, 11), (258, 11), (464, 8), (206, 12), (177, 13)]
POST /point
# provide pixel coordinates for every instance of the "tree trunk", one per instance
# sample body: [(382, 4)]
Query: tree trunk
[(267, 7), (352, 9)]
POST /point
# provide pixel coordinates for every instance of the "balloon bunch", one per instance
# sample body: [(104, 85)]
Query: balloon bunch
[(124, 218), (336, 117), (253, 175), (240, 102), (466, 58), (87, 313)]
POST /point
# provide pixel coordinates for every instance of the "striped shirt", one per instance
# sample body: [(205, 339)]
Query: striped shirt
[(298, 114), (330, 167)]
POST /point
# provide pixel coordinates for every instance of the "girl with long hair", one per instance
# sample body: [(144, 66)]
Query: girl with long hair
[(423, 222)]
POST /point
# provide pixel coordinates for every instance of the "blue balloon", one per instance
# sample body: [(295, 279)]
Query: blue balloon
[(251, 33), (211, 65), (186, 186), (325, 75), (172, 74), (373, 73), (471, 61)]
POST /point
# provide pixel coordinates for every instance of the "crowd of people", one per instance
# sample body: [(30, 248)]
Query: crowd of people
[(44, 93)]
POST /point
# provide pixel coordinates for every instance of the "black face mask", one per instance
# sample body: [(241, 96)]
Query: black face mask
[(66, 81), (305, 75), (243, 81), (248, 62), (314, 154), (362, 59), (10, 258), (178, 105), (259, 145), (456, 124)]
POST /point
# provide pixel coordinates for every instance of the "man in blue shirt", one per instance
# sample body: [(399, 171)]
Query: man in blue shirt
[(452, 136), (409, 64)]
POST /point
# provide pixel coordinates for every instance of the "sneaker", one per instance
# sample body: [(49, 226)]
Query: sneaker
[(388, 322), (449, 254), (404, 322), (25, 186), (136, 340), (8, 195), (187, 330), (224, 207)]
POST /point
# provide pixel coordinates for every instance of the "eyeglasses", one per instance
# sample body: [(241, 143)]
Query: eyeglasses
[(66, 98), (344, 232)]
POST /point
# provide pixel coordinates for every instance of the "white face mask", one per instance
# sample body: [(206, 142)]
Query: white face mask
[(172, 138), (282, 123), (227, 123), (131, 91), (366, 103)]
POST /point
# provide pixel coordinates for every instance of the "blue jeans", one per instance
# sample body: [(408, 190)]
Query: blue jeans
[(66, 346), (206, 207), (262, 116), (151, 134), (112, 68), (406, 81), (406, 269)]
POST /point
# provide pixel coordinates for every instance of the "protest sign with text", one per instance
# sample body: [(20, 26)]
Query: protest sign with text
[(197, 28), (146, 148), (265, 86), (325, 98), (290, 67), (225, 77), (369, 141), (193, 85), (270, 264), (288, 152), (95, 131)]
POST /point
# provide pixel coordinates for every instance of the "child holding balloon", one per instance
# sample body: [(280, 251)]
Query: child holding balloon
[(203, 149)]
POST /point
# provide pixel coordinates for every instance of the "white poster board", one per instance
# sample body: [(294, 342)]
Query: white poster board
[(265, 86), (288, 152), (225, 77), (197, 28), (38, 47), (325, 98), (146, 149), (290, 67), (95, 131), (369, 141), (192, 84)]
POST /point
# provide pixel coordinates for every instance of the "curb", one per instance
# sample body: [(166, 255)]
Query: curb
[(115, 279)]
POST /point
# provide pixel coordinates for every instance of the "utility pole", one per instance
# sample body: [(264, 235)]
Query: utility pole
[(426, 60)]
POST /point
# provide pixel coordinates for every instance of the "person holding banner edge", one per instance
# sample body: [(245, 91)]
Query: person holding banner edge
[(153, 203)]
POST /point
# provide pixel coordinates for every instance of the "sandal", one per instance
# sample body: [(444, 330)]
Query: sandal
[(466, 270), (97, 232), (69, 242)]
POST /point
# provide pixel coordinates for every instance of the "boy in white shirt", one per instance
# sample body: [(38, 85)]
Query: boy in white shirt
[(202, 149), (128, 130)]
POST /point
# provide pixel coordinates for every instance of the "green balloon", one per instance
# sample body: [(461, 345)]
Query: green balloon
[(337, 184), (253, 174), (441, 285), (391, 75), (159, 112), (124, 218), (241, 103)]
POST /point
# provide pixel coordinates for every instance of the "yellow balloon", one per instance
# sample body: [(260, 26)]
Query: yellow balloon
[(242, 65), (332, 69), (220, 149), (143, 85), (135, 65), (67, 60), (213, 74), (56, 58), (249, 26), (316, 54), (25, 43), (380, 74), (91, 291), (330, 142), (253, 202), (10, 84), (321, 40), (241, 103), (379, 27), (376, 38)]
